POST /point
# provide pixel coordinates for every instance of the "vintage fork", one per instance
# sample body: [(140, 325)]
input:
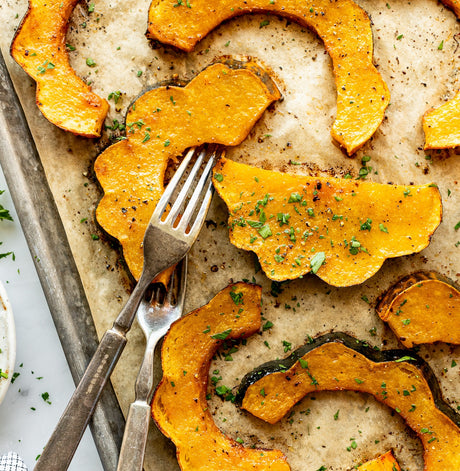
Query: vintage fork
[(166, 241), (154, 316)]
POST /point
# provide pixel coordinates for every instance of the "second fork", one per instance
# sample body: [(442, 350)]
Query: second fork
[(154, 316)]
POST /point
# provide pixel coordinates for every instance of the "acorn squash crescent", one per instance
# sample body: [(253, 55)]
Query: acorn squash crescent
[(220, 105), (345, 28), (337, 362), (187, 350), (423, 307), (340, 229), (39, 48)]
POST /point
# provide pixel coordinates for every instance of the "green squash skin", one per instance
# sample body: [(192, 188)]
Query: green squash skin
[(359, 346)]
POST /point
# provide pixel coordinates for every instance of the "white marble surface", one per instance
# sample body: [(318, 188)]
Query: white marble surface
[(26, 419)]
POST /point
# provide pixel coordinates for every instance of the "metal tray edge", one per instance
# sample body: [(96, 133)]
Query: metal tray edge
[(54, 262)]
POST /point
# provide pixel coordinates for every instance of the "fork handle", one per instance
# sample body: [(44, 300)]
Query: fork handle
[(61, 447), (137, 424), (135, 437)]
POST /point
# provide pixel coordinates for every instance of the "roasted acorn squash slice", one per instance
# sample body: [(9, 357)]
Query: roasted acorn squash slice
[(39, 48), (342, 230), (191, 342), (362, 95), (422, 308), (442, 125), (386, 462), (338, 362), (220, 105)]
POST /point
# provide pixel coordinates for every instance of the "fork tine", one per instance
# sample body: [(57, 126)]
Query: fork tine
[(199, 220), (175, 294), (164, 200), (173, 213), (203, 184)]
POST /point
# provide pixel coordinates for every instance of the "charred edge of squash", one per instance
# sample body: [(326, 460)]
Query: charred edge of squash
[(406, 282), (254, 65), (359, 346)]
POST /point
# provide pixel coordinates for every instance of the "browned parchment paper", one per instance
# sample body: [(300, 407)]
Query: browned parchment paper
[(419, 74)]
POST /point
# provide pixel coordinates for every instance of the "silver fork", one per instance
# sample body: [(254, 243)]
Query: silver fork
[(166, 242), (154, 316)]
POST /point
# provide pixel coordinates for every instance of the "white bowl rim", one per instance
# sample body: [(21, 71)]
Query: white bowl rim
[(7, 313)]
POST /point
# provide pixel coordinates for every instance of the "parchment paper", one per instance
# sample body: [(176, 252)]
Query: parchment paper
[(419, 73)]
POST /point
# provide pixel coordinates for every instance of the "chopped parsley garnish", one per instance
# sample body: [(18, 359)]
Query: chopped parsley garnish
[(221, 335), (116, 95), (283, 218), (317, 261), (295, 198), (237, 297), (265, 231), (268, 325), (366, 226)]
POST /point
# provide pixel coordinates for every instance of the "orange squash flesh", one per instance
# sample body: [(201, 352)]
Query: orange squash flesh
[(386, 462), (362, 95), (422, 308), (186, 355), (442, 125), (454, 5), (220, 106), (334, 366), (39, 48), (293, 222)]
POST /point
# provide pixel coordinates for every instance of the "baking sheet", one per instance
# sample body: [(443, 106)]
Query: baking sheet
[(54, 262), (419, 75)]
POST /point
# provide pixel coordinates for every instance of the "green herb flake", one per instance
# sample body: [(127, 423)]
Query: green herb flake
[(221, 335), (303, 363), (237, 297), (265, 231), (268, 325), (317, 261), (116, 95), (295, 198), (367, 225)]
